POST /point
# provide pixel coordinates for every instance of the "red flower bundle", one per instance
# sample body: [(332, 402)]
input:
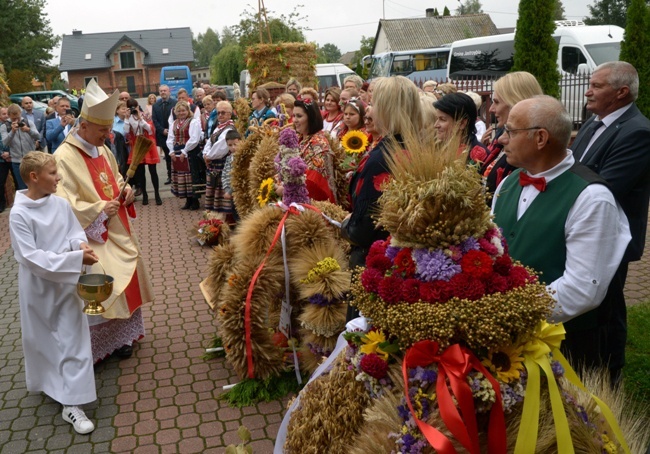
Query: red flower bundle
[(374, 366)]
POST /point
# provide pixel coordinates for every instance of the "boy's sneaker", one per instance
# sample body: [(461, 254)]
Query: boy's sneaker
[(76, 417)]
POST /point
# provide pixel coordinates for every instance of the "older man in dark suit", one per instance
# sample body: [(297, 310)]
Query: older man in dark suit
[(160, 115), (615, 143)]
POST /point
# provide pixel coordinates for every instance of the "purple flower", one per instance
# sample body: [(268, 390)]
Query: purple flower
[(319, 300), (295, 193), (558, 370), (391, 252), (297, 166), (289, 138), (470, 244), (403, 412), (434, 265)]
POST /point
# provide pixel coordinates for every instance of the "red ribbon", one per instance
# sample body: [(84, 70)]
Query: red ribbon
[(249, 295), (455, 363)]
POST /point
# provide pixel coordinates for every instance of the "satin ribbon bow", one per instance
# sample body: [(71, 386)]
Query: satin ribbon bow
[(455, 363), (538, 182)]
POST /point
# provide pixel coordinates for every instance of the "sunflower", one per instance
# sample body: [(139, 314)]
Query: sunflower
[(264, 192), (371, 342), (506, 363), (355, 142)]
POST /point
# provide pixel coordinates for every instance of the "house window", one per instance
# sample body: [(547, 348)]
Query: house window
[(88, 79), (89, 56), (127, 60), (165, 50)]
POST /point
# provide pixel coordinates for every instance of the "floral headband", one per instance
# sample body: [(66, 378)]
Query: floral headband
[(355, 102), (306, 101)]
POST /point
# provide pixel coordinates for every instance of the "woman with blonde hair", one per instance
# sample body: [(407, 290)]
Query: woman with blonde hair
[(293, 87), (390, 95), (183, 139), (148, 109), (288, 101), (508, 91)]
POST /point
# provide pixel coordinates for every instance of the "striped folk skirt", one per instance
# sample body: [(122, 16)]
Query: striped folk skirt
[(216, 199), (181, 177)]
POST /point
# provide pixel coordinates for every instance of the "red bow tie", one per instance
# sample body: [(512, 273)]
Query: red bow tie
[(539, 183)]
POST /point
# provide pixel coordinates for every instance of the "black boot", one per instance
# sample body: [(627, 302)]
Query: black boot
[(188, 204), (195, 205), (158, 199), (145, 198)]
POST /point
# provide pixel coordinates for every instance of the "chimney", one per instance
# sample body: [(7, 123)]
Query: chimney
[(76, 32), (429, 12)]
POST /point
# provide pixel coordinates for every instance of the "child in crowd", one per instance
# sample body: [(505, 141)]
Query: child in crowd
[(50, 247), (232, 139)]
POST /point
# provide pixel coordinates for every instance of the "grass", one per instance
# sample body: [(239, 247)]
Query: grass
[(637, 363)]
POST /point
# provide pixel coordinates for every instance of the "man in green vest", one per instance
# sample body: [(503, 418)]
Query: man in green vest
[(561, 219)]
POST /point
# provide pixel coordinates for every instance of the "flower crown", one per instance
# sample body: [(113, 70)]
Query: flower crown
[(306, 101), (355, 102)]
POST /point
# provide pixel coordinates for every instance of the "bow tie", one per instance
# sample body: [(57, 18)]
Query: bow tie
[(538, 183)]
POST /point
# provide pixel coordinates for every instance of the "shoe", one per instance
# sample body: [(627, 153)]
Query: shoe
[(124, 352), (75, 416), (169, 181), (188, 204), (138, 192), (196, 205), (145, 199), (158, 200)]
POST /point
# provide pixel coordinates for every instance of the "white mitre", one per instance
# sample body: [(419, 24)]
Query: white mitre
[(98, 107)]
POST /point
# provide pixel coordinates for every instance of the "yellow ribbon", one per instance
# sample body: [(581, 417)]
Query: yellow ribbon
[(547, 339)]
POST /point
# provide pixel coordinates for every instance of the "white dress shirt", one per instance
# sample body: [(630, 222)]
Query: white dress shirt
[(596, 234)]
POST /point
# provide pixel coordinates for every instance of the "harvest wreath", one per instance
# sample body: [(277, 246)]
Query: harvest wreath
[(454, 355)]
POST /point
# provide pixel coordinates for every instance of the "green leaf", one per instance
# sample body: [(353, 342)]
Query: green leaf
[(388, 347), (244, 434)]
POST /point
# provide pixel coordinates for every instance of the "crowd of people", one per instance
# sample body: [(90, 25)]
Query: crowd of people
[(554, 199)]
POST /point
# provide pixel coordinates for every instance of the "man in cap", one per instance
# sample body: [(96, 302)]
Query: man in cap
[(91, 182)]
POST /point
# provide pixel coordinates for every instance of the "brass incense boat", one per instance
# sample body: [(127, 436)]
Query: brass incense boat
[(94, 289)]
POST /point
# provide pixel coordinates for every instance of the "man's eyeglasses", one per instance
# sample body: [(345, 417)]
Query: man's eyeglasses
[(510, 131), (222, 112)]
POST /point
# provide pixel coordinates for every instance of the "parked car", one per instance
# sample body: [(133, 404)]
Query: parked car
[(45, 96), (37, 104), (230, 91), (332, 75)]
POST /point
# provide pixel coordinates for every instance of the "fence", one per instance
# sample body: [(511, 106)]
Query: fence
[(572, 93)]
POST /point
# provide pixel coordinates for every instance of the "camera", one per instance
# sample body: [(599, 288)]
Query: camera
[(134, 111), (69, 112), (21, 123)]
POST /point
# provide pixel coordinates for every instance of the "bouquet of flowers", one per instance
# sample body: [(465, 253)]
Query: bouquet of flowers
[(355, 143), (291, 169), (266, 193), (211, 230)]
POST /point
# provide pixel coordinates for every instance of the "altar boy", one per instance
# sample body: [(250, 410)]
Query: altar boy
[(50, 248)]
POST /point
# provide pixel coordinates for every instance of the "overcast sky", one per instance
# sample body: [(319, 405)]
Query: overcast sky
[(341, 22)]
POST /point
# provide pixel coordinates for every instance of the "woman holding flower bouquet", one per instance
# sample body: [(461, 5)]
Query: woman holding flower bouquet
[(390, 95), (315, 150)]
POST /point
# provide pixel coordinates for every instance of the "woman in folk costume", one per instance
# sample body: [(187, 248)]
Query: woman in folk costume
[(215, 154), (315, 150), (91, 183), (184, 137)]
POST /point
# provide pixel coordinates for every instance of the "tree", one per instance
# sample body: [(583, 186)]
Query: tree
[(607, 12), (227, 65), (20, 80), (635, 48), (469, 7), (535, 48), (282, 29), (206, 45), (446, 12), (559, 13), (228, 37), (329, 53), (26, 41), (366, 47)]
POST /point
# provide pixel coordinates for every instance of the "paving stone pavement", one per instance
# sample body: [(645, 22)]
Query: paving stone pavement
[(161, 400), (164, 398)]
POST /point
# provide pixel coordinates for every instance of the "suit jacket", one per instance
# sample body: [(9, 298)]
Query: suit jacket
[(160, 116), (54, 133), (621, 156), (39, 122)]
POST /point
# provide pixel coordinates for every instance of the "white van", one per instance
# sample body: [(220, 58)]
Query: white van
[(580, 49), (332, 75)]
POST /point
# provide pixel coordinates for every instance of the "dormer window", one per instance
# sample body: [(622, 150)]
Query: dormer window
[(165, 51), (127, 60), (89, 56)]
